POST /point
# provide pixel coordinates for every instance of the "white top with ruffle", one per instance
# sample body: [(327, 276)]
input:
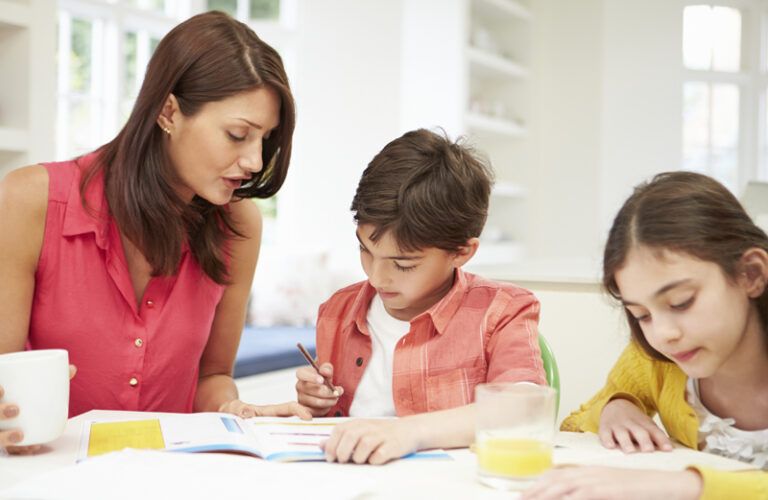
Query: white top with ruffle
[(719, 436)]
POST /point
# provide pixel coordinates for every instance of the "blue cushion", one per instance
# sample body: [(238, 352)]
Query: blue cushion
[(264, 349)]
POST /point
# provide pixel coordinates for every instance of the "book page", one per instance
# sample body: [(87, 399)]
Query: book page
[(276, 439), (196, 432), (291, 440)]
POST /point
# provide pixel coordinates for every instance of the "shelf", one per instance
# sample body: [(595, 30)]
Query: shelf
[(14, 14), (494, 64), (494, 8), (503, 189), (14, 140), (483, 123)]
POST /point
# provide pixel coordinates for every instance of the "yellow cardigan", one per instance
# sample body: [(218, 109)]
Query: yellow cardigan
[(657, 386)]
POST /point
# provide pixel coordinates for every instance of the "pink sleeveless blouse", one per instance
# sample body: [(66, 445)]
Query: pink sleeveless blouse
[(129, 356)]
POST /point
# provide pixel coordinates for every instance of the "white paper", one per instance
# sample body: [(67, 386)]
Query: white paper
[(585, 449), (148, 475)]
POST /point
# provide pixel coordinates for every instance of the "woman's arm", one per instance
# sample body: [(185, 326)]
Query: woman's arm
[(216, 390), (215, 386), (23, 206)]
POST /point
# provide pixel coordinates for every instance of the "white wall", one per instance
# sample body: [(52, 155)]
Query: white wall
[(347, 93), (641, 96), (586, 332), (608, 114), (564, 186)]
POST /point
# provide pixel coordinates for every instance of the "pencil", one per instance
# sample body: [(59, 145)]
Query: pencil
[(311, 361)]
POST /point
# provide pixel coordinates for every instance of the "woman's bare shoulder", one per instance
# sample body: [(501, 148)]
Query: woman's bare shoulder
[(24, 194), (247, 218)]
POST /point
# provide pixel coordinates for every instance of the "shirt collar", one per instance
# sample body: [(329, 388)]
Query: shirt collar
[(440, 313), (94, 217)]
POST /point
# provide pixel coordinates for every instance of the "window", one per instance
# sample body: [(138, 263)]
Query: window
[(103, 50), (248, 9), (724, 89)]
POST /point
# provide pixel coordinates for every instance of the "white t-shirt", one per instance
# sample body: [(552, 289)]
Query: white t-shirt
[(373, 397)]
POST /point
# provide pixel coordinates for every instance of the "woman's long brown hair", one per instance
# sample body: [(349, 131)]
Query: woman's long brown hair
[(683, 212), (207, 58)]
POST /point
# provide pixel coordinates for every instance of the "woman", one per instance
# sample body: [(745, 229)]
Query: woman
[(138, 258)]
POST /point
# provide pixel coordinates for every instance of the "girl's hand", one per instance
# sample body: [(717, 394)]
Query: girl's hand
[(245, 410), (370, 441), (623, 424), (312, 392), (10, 437), (606, 483)]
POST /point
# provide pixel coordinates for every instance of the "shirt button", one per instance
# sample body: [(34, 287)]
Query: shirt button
[(150, 304), (337, 414), (133, 382), (138, 342), (359, 361)]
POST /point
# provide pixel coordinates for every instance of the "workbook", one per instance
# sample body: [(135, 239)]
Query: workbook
[(275, 439)]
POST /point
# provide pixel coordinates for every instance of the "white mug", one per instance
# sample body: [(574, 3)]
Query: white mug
[(38, 383)]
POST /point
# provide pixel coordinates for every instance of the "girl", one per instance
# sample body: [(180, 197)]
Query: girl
[(138, 258), (690, 269)]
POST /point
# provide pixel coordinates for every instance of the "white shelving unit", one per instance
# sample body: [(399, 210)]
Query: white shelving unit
[(15, 14), (491, 64), (483, 123), (505, 8), (468, 71), (28, 89), (498, 114)]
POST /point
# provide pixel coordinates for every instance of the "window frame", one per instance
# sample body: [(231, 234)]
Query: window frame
[(752, 82), (110, 22)]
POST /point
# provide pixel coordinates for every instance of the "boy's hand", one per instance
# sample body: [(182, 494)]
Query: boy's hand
[(370, 441), (623, 424), (609, 483), (245, 410), (313, 393)]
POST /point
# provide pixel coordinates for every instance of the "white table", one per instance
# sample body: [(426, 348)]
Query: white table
[(400, 479)]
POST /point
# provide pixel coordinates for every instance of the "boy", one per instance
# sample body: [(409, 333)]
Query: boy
[(417, 337)]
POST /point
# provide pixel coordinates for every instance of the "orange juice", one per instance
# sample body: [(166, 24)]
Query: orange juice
[(514, 457)]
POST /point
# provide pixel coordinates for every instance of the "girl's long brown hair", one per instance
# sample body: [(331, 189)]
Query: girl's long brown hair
[(207, 58), (682, 212)]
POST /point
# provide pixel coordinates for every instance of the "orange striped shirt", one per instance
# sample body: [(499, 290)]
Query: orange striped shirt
[(481, 331)]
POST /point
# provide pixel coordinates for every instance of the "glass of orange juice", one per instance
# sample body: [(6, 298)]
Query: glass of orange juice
[(515, 431)]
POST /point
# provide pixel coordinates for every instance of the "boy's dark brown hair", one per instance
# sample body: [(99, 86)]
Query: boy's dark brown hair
[(207, 58), (426, 190), (683, 212)]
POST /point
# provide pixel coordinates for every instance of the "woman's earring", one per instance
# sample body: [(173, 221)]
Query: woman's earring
[(166, 130)]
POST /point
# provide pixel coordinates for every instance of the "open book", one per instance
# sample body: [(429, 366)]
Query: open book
[(276, 439)]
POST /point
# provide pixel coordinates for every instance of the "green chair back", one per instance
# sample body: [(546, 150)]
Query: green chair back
[(550, 368)]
